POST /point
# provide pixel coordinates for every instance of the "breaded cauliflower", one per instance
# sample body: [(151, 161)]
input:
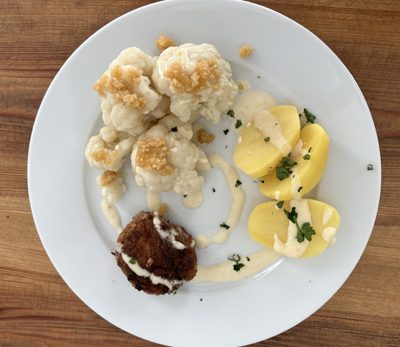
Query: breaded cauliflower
[(166, 160), (108, 149), (127, 97), (197, 79)]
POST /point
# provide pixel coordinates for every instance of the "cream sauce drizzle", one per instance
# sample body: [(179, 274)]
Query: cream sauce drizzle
[(293, 248), (138, 270), (295, 184), (328, 234), (111, 194), (193, 200), (250, 103), (266, 122), (236, 208), (327, 216), (153, 200), (223, 272), (112, 214), (167, 234)]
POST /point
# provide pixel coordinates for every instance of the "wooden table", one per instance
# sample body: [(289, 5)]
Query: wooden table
[(37, 307)]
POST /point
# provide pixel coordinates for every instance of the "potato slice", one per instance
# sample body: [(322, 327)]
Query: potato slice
[(254, 153), (265, 220), (307, 173)]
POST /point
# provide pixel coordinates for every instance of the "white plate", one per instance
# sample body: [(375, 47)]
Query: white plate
[(296, 67)]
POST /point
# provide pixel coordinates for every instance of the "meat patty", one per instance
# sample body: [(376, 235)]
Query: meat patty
[(155, 255)]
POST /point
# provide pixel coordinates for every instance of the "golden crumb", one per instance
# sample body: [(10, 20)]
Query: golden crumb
[(246, 51), (108, 177), (122, 83), (204, 137), (205, 75), (152, 155), (104, 156), (163, 209), (164, 42)]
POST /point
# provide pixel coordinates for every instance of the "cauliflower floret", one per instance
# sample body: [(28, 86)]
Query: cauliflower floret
[(175, 125), (108, 149), (112, 184), (162, 109), (197, 79), (165, 160), (127, 97)]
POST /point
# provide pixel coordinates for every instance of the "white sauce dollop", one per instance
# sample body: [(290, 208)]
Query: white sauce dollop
[(112, 214), (293, 248), (236, 208), (167, 234), (328, 234)]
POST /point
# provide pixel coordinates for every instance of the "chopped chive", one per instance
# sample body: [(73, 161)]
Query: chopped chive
[(226, 131), (231, 113), (267, 139), (238, 123), (370, 167), (174, 129), (299, 190), (307, 157), (279, 204), (224, 225), (132, 261), (238, 183), (213, 190)]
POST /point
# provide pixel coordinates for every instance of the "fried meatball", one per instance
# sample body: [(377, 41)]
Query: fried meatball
[(155, 255)]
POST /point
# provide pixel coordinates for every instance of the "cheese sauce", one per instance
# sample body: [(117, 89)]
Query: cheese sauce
[(224, 272), (236, 208), (153, 200)]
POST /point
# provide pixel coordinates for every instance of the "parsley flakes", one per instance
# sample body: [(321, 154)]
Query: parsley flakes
[(224, 225), (309, 116), (132, 261), (284, 169), (174, 129), (238, 183), (305, 231), (267, 139), (236, 259), (279, 204), (238, 124), (370, 167), (307, 157), (226, 131), (231, 113)]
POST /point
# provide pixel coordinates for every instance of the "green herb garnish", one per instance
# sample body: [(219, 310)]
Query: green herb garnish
[(307, 157), (238, 123), (248, 259), (238, 183), (283, 170), (370, 167), (184, 195), (267, 139), (213, 190), (231, 113), (299, 190), (174, 129), (226, 131), (279, 204), (305, 231), (132, 261), (309, 116), (224, 225), (238, 265), (309, 150)]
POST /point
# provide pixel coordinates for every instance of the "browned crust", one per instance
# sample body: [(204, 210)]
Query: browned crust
[(142, 242), (107, 177), (246, 51)]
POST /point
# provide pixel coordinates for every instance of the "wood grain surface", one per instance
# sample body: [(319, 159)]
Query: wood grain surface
[(36, 306)]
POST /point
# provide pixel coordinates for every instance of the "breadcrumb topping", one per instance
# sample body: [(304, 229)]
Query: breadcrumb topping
[(206, 74), (104, 156), (122, 83), (164, 42), (204, 137), (152, 155), (163, 209), (108, 177), (245, 51)]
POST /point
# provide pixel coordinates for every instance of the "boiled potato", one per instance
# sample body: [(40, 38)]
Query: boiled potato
[(265, 220), (254, 155), (308, 172)]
